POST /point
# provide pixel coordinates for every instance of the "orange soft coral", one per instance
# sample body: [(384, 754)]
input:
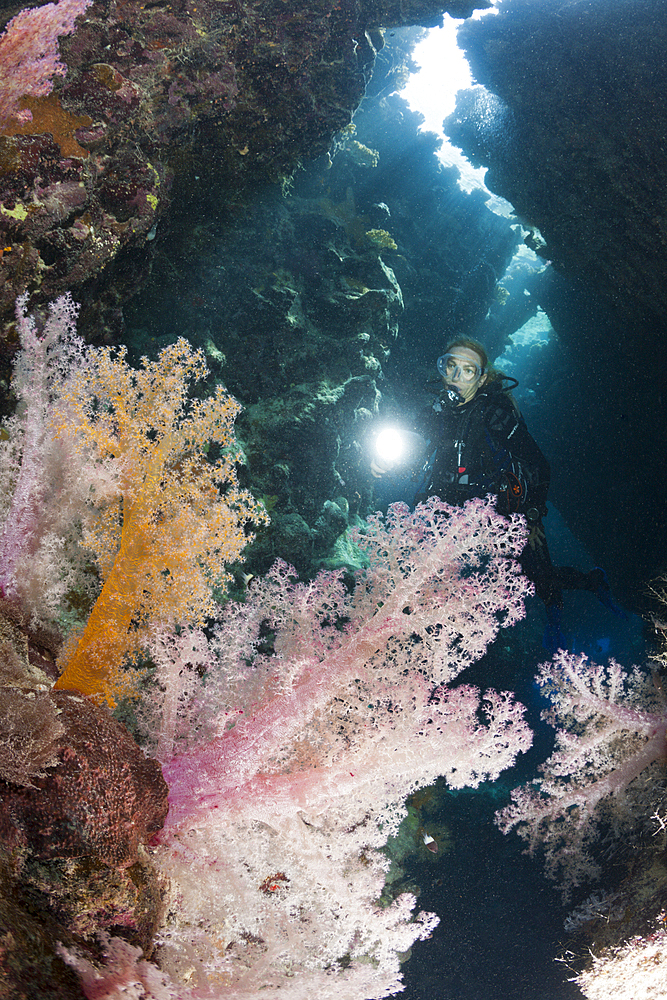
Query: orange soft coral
[(178, 517)]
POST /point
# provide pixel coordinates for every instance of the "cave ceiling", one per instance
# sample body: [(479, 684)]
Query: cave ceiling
[(164, 99)]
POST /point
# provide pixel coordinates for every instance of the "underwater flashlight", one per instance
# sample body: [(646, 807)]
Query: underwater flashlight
[(390, 446)]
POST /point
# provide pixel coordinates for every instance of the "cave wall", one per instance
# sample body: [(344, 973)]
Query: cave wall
[(570, 118), (573, 134), (161, 101)]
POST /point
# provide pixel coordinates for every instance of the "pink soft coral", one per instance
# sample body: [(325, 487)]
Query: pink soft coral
[(125, 973), (48, 487), (297, 759)]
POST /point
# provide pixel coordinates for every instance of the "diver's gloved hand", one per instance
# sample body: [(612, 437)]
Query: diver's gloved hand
[(537, 536), (378, 470), (553, 639), (599, 584)]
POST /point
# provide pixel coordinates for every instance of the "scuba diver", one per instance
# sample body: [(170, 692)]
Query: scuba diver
[(480, 445)]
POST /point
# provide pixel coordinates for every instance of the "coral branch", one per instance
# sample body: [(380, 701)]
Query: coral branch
[(614, 727), (177, 517)]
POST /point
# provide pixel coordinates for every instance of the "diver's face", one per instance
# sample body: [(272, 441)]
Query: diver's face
[(463, 370)]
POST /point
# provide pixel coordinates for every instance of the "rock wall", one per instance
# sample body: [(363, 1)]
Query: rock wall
[(570, 119), (573, 134), (208, 94)]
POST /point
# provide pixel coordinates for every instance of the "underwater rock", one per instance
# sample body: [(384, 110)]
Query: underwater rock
[(219, 96), (77, 803), (102, 799), (572, 133)]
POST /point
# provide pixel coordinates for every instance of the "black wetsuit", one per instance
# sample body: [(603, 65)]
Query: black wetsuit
[(485, 447)]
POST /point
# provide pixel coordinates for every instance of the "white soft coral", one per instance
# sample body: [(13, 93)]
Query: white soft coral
[(48, 488), (613, 730)]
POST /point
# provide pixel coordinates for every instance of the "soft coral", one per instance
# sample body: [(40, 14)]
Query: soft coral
[(111, 465), (612, 734), (177, 517), (289, 752), (49, 487)]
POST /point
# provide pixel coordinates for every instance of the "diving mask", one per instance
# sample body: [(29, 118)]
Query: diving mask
[(456, 368)]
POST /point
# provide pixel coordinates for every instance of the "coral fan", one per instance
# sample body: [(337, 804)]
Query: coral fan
[(614, 727)]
